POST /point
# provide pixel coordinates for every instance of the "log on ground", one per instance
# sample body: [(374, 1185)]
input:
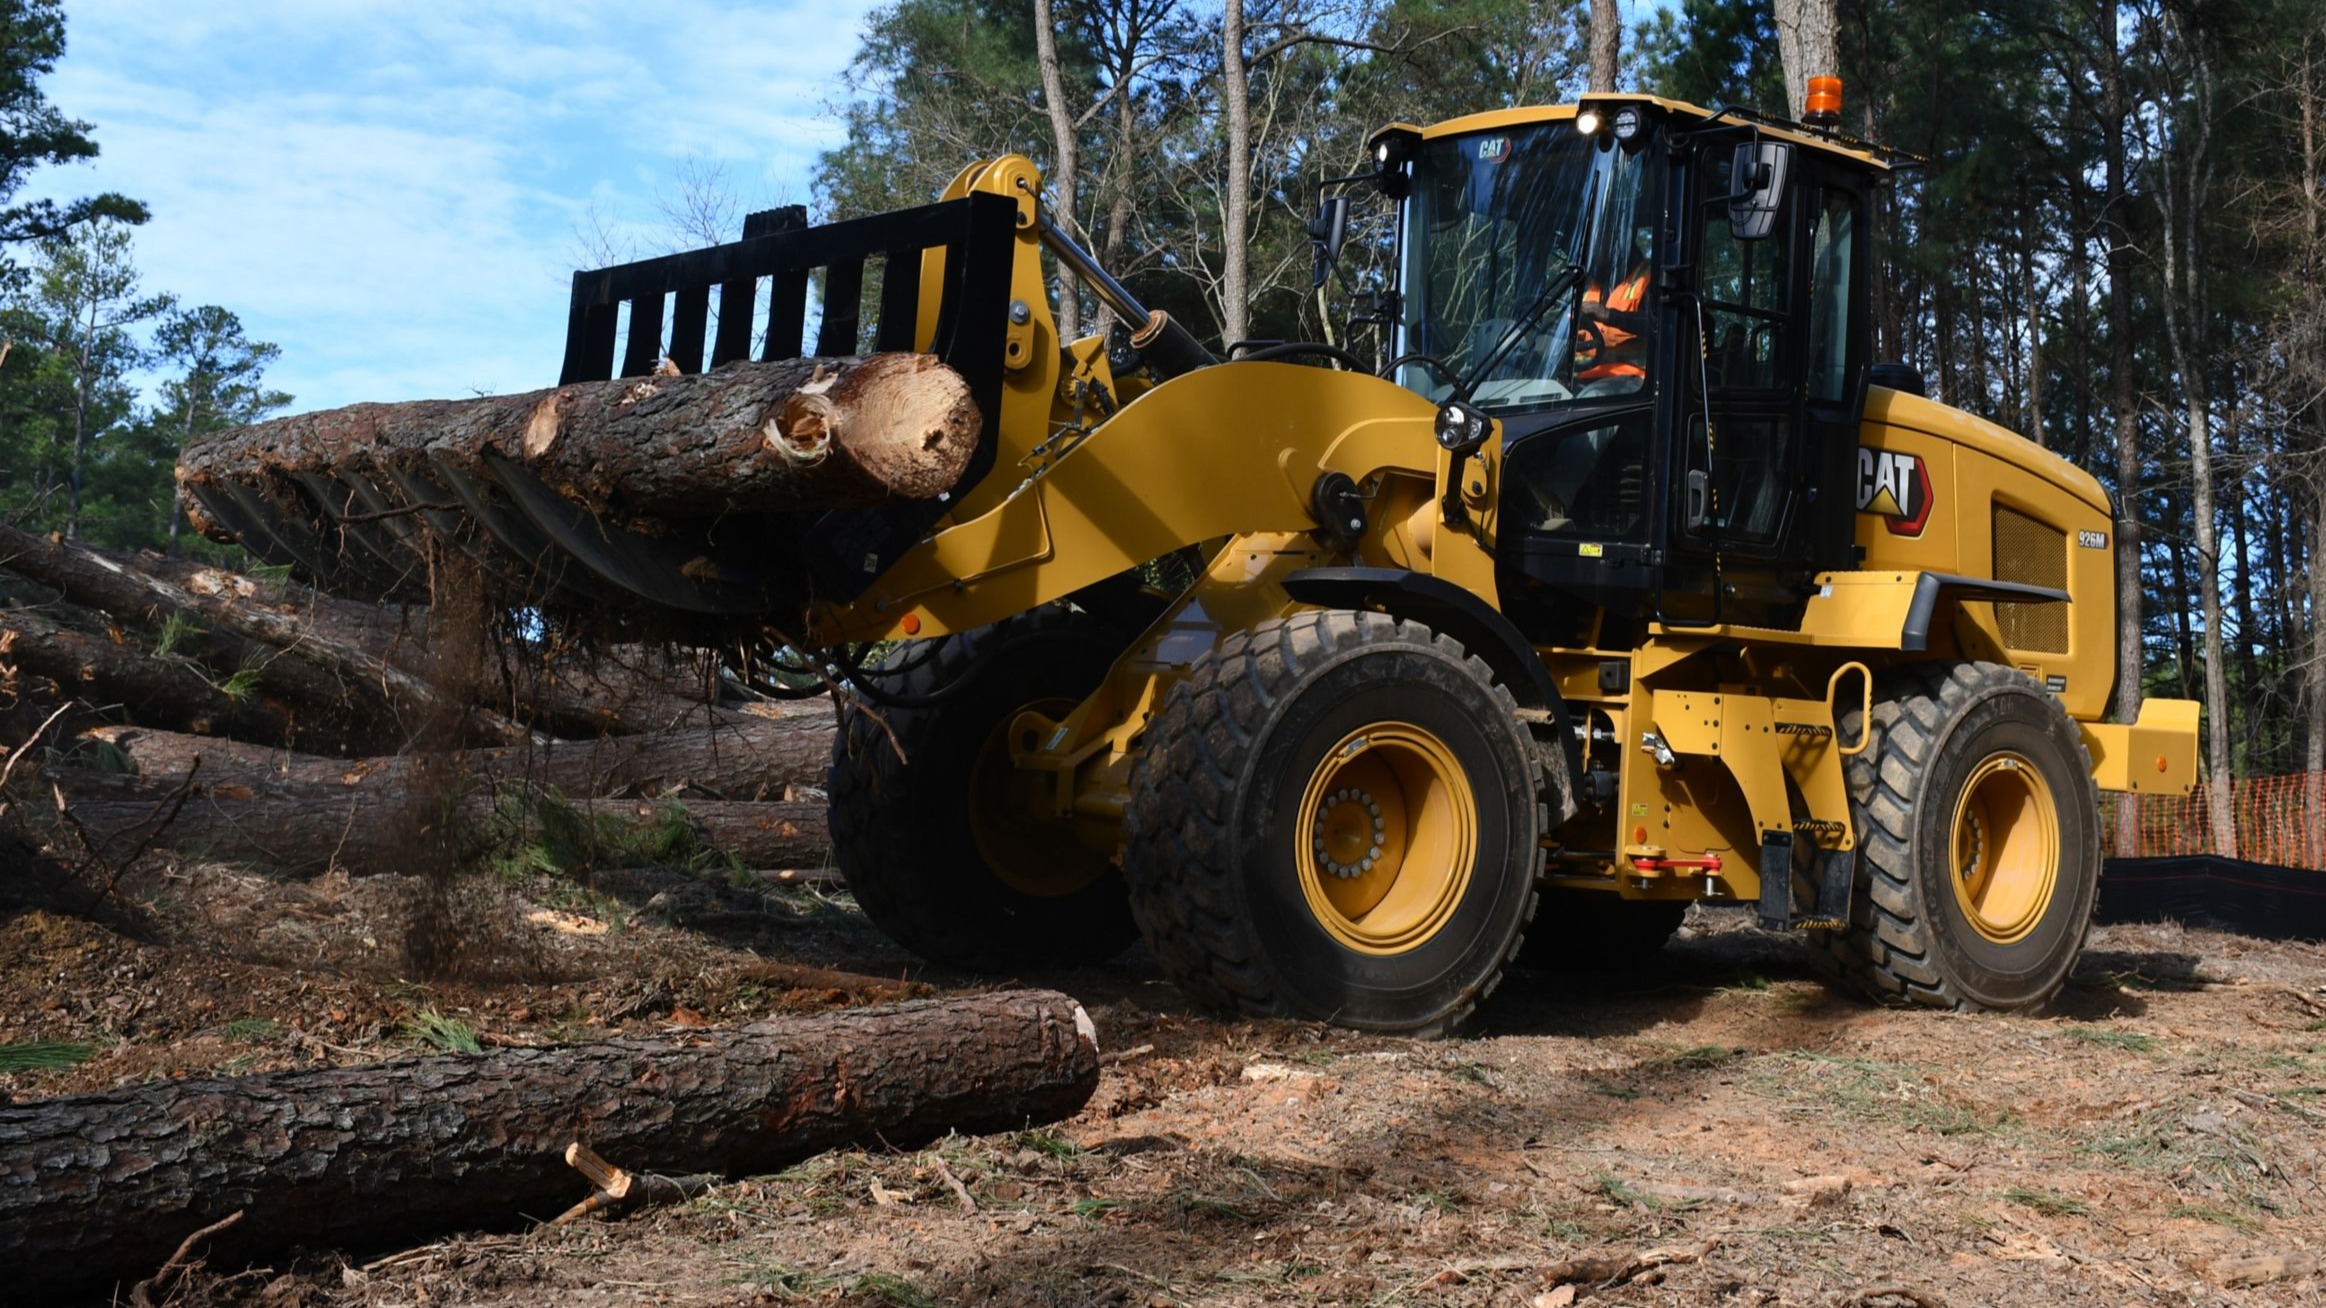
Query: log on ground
[(746, 438), (307, 828), (118, 676), (748, 757), (96, 1190), (327, 673)]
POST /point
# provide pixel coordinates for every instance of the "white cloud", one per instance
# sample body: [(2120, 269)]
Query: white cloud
[(390, 191)]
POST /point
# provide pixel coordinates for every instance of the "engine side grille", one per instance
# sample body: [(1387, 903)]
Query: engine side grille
[(2035, 554)]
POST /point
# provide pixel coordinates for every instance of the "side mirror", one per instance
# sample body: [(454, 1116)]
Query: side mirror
[(1756, 180), (1327, 232)]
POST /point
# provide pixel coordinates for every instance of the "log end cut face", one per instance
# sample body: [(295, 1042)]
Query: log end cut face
[(906, 421)]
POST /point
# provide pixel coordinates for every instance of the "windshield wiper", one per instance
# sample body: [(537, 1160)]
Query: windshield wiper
[(1552, 293)]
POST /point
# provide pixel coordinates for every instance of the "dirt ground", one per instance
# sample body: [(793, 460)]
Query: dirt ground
[(1720, 1120)]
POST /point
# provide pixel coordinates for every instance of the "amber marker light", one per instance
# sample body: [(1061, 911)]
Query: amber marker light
[(1822, 107), (911, 625)]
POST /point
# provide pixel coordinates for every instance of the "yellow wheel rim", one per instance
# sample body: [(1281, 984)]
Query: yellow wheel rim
[(2006, 849), (1023, 844), (1387, 831)]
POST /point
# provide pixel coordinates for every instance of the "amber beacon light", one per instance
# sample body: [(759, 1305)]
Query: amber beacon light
[(1822, 107)]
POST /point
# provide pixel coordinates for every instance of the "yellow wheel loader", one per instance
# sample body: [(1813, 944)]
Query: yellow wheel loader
[(1630, 579)]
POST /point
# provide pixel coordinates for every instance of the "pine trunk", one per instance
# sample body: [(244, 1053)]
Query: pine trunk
[(306, 829), (165, 692), (751, 758), (1606, 41), (364, 697), (1808, 45), (1064, 165), (746, 438), (1236, 187), (99, 1188)]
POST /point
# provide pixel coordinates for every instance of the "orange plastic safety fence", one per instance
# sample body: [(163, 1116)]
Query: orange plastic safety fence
[(2276, 820)]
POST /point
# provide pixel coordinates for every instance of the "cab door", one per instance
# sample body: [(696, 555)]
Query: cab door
[(1771, 380)]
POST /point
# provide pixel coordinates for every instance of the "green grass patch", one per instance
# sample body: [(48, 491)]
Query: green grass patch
[(240, 686), (1095, 1207), (1049, 1144), (1871, 1090), (2218, 1216), (1699, 1058), (545, 832), (2045, 1202), (887, 1287), (253, 1030), (2213, 1151), (43, 1055), (449, 1034), (2133, 1041), (778, 1280), (176, 630)]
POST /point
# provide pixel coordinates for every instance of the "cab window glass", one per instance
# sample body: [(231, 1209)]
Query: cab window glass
[(1743, 287), (1751, 476), (1832, 267), (1587, 480)]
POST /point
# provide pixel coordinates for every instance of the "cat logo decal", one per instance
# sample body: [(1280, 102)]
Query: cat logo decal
[(1896, 488)]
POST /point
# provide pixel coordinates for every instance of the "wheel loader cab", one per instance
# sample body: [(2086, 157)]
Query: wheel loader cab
[(1678, 393)]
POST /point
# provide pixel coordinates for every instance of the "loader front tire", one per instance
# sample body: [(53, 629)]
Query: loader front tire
[(944, 848), (1337, 817), (1978, 844)]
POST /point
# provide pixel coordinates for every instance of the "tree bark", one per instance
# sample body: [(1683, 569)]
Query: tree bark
[(163, 692), (2180, 237), (1236, 183), (746, 438), (308, 828), (750, 758), (1064, 159), (1808, 45), (97, 1189), (2123, 402), (319, 670), (1606, 44)]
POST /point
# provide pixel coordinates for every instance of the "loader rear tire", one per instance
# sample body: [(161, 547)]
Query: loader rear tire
[(1337, 818), (1978, 844), (942, 848)]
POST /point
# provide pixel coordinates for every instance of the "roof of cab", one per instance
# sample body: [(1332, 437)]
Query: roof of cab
[(1848, 147)]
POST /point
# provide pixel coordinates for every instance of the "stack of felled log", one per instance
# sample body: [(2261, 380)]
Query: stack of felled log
[(272, 721), (279, 726)]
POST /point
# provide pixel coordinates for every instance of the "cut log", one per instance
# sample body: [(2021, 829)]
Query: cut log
[(304, 829), (760, 835), (96, 1190), (625, 689), (149, 688), (98, 579), (749, 758), (747, 438)]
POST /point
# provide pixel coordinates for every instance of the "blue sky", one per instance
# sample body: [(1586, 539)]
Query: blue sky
[(397, 191), (394, 192)]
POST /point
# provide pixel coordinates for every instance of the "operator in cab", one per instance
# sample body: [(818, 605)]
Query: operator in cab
[(1610, 349)]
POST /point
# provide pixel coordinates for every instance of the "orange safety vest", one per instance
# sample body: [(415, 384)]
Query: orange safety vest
[(1619, 353)]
